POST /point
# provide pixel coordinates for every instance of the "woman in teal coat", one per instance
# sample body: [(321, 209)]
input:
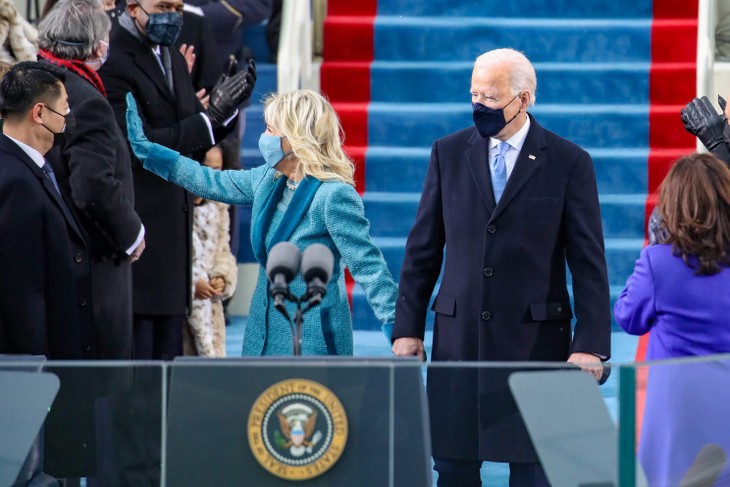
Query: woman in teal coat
[(303, 194)]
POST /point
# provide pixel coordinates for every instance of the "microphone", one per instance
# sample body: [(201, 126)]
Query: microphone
[(317, 265), (281, 267)]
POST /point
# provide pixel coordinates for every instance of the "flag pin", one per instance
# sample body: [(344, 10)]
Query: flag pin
[(531, 157)]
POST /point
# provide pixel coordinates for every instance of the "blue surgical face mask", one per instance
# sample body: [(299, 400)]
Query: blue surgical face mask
[(164, 27), (270, 147), (490, 121)]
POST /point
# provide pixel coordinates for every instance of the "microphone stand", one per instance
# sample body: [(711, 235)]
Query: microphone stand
[(298, 322)]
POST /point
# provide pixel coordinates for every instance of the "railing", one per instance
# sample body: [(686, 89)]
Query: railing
[(300, 30)]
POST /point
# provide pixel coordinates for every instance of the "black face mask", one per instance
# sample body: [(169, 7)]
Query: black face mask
[(490, 121), (68, 125)]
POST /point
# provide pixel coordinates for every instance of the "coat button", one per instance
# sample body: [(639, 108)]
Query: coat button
[(185, 208), (82, 301), (78, 257), (492, 229), (87, 348), (488, 272), (486, 315), (559, 309)]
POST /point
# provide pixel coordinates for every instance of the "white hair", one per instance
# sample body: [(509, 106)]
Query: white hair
[(522, 73)]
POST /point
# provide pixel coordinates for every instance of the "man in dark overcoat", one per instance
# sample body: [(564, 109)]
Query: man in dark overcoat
[(142, 62), (511, 202)]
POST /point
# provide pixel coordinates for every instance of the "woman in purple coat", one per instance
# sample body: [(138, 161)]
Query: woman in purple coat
[(679, 291)]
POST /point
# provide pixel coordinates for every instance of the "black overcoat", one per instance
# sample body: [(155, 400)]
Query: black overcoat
[(93, 169), (503, 295), (161, 278), (45, 290)]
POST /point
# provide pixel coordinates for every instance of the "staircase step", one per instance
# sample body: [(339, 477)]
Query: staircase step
[(534, 8), (403, 169), (419, 124), (448, 82), (621, 254), (393, 214), (364, 319), (542, 39)]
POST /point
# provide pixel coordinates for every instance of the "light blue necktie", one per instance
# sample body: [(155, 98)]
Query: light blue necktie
[(498, 168)]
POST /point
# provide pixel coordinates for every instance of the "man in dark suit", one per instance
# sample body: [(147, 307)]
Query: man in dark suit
[(511, 202), (142, 62), (93, 169), (45, 292)]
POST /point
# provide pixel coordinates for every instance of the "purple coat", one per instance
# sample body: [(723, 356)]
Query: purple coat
[(686, 402), (687, 314)]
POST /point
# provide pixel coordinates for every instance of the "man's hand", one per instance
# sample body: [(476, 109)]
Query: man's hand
[(188, 53), (588, 362), (228, 94), (701, 119), (409, 347), (203, 97), (137, 253)]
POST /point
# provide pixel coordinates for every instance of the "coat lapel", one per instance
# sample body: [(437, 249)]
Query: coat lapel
[(147, 61), (531, 157), (295, 212), (477, 158)]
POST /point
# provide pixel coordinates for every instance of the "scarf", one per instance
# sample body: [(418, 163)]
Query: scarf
[(75, 66)]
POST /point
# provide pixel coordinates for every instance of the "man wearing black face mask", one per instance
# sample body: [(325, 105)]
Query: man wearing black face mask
[(511, 203), (143, 63), (45, 292)]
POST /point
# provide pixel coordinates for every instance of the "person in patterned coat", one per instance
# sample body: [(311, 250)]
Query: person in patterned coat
[(214, 273)]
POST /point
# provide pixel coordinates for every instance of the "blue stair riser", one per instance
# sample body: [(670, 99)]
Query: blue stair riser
[(533, 8), (254, 38), (555, 40), (590, 83), (364, 319), (599, 126), (393, 215), (620, 257), (398, 169)]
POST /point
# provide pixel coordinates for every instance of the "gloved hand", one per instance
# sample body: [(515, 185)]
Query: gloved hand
[(701, 119), (154, 157), (230, 70), (229, 93)]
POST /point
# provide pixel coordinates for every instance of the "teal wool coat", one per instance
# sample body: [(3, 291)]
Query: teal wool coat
[(326, 212)]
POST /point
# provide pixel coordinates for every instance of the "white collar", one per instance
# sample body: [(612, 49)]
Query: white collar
[(517, 140), (32, 153)]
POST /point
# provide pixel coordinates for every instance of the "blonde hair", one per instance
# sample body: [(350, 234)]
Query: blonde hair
[(522, 72), (311, 126)]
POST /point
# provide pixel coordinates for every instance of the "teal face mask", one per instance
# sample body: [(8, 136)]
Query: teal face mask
[(270, 147)]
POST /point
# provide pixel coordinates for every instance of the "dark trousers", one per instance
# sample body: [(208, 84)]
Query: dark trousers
[(158, 337), (465, 473)]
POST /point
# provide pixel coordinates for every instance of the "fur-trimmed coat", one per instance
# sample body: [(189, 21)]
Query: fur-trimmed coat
[(18, 39), (205, 334)]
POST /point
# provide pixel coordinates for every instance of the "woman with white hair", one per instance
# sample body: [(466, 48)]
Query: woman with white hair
[(304, 194), (92, 165)]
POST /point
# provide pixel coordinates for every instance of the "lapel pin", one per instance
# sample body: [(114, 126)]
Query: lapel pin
[(531, 157)]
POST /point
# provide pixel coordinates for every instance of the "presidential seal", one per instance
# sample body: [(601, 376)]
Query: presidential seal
[(297, 429)]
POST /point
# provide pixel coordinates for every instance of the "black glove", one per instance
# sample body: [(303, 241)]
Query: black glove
[(228, 94), (230, 70), (701, 120)]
